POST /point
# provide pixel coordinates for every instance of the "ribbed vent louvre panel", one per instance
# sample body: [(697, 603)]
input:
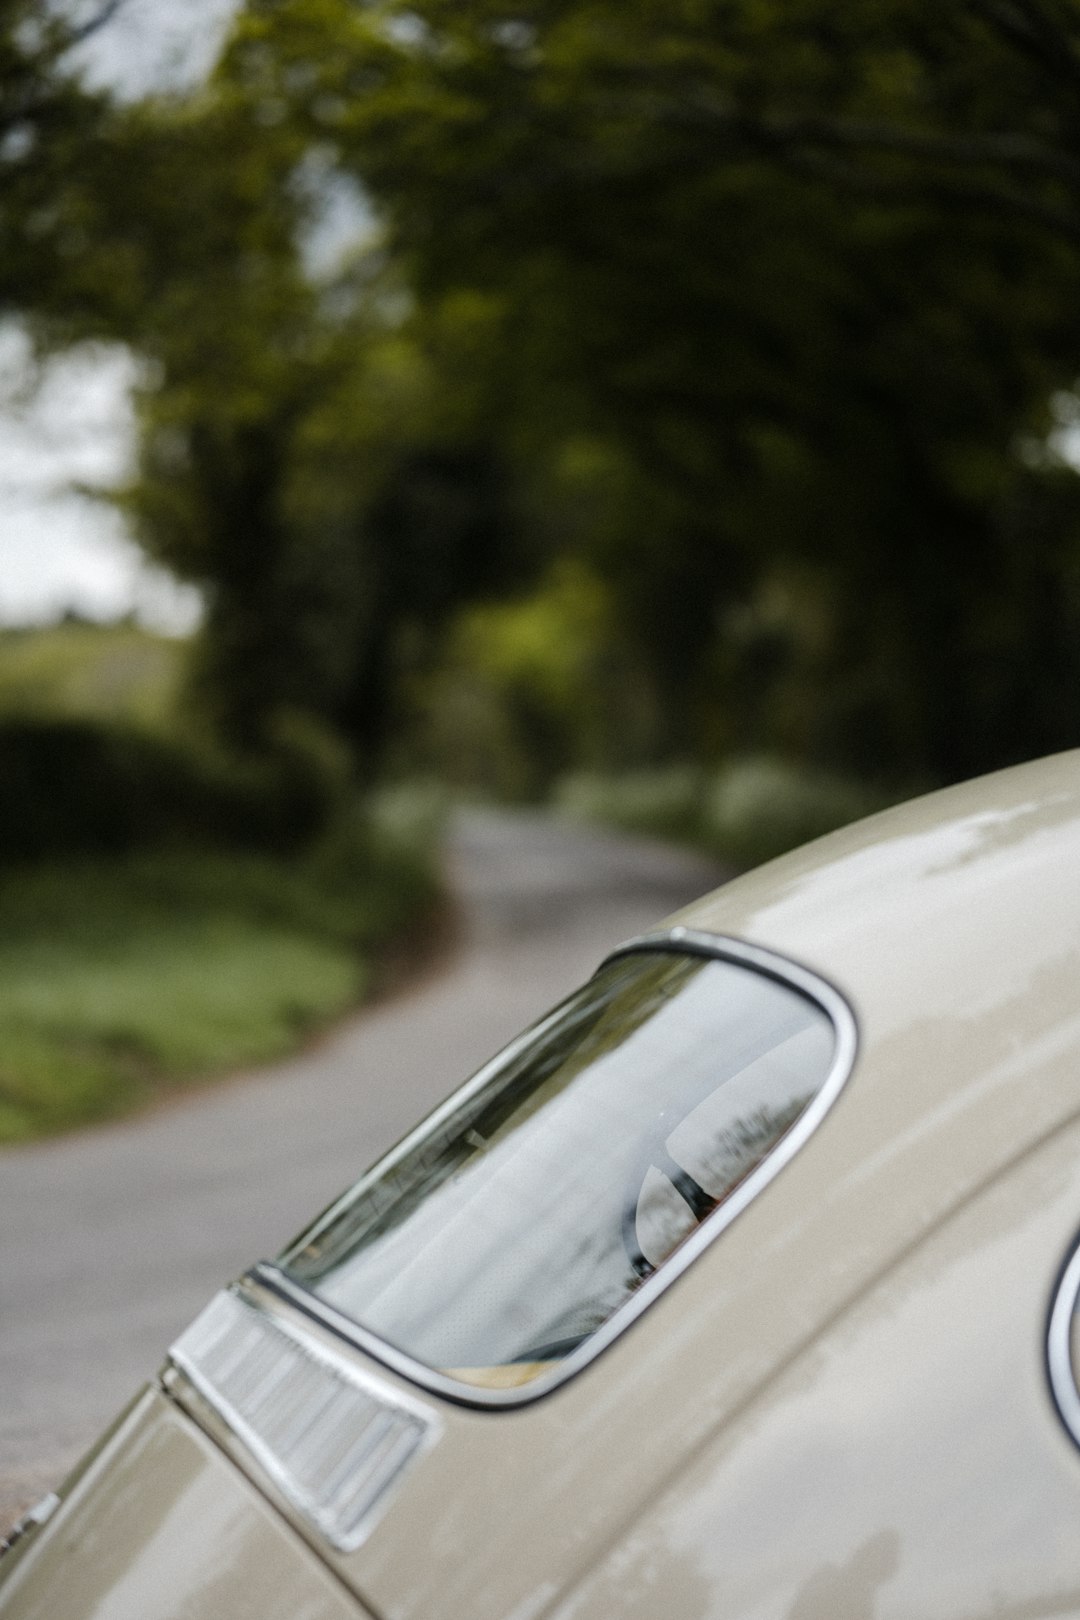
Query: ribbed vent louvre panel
[(333, 1441)]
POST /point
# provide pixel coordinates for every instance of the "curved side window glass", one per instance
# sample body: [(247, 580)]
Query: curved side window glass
[(503, 1233)]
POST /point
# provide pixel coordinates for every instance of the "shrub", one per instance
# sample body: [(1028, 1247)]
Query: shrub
[(80, 787), (761, 806), (748, 811), (411, 814), (664, 802), (120, 978)]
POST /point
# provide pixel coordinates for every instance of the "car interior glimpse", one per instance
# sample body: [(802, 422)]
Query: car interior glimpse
[(528, 1211)]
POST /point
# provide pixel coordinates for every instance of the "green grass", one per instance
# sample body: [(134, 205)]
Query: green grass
[(105, 672), (121, 981)]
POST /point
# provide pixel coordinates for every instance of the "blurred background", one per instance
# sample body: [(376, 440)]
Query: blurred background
[(662, 413)]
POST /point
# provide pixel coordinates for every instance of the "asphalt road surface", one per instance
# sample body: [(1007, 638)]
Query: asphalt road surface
[(112, 1240)]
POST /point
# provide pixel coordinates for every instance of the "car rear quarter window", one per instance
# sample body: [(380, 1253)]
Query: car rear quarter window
[(511, 1235)]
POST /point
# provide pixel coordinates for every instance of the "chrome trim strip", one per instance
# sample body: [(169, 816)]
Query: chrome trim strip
[(678, 940), (32, 1519), (1059, 1364)]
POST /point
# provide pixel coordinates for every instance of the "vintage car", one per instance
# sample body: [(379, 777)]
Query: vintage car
[(742, 1285)]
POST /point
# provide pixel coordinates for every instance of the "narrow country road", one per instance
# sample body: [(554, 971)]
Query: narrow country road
[(110, 1241)]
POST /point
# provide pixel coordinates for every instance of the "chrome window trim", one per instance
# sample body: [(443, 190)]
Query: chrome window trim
[(270, 1277), (1059, 1365), (34, 1517)]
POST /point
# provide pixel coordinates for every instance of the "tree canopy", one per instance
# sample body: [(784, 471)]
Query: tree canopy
[(762, 316)]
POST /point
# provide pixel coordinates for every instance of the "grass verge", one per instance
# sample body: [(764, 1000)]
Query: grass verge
[(99, 672), (121, 980)]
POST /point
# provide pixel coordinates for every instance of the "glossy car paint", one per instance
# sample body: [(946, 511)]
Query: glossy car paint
[(907, 1464), (843, 1402), (160, 1526)]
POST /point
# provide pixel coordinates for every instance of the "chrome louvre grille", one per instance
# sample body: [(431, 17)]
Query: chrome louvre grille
[(333, 1442)]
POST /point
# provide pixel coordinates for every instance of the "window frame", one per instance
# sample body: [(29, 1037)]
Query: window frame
[(1060, 1367), (269, 1278)]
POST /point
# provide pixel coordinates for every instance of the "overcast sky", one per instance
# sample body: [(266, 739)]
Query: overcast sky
[(60, 549), (63, 433)]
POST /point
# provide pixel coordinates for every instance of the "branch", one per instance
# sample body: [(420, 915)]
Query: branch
[(778, 134), (637, 98), (1025, 25), (980, 198), (993, 150), (32, 93), (75, 36)]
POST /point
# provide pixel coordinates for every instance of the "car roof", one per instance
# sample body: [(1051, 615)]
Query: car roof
[(958, 912), (952, 927)]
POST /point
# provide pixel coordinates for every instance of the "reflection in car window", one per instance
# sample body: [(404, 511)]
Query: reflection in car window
[(510, 1227)]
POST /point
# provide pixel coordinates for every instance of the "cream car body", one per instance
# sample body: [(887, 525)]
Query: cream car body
[(840, 1408)]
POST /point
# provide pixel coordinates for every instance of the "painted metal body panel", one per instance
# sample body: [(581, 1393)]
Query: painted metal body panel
[(909, 1465), (846, 1390), (953, 926), (160, 1526)]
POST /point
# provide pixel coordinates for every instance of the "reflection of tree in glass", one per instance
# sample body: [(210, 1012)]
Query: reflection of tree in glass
[(603, 1016), (512, 1227), (673, 1201), (665, 1217), (737, 1148)]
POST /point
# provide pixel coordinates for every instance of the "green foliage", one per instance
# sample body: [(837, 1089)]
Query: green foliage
[(85, 1036), (750, 810), (411, 814), (532, 686), (700, 300), (757, 808), (120, 980), (76, 786), (806, 282), (661, 801), (116, 673)]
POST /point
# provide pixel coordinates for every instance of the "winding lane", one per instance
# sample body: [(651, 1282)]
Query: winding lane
[(111, 1240)]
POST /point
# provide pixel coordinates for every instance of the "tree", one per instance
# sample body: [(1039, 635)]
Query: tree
[(758, 309), (811, 279), (291, 462)]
